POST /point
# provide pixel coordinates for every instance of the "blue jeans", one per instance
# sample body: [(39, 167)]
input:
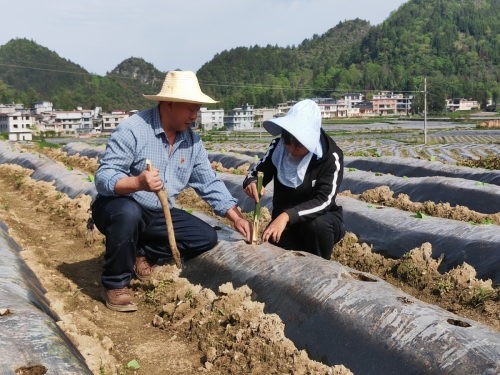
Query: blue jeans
[(132, 231)]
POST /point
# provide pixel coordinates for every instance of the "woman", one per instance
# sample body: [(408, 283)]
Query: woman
[(307, 167)]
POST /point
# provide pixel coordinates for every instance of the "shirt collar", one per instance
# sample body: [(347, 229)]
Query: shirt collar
[(158, 128)]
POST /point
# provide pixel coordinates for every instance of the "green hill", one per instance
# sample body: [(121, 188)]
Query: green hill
[(30, 73)]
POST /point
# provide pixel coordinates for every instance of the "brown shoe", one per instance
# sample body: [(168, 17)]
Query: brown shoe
[(143, 269), (118, 299)]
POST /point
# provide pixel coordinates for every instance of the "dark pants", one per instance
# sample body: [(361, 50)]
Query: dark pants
[(316, 237), (132, 230)]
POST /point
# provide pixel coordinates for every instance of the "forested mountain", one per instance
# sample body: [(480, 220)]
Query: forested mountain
[(30, 73), (455, 43), (262, 69)]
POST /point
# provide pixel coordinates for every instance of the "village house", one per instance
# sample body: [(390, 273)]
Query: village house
[(240, 118), (111, 120), (17, 125), (208, 119), (264, 114), (461, 104), (74, 122), (10, 108)]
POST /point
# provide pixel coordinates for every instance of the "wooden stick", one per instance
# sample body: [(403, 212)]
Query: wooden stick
[(162, 195), (256, 213)]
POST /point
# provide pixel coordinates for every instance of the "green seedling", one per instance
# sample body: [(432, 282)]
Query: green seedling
[(405, 177), (352, 169), (372, 206), (70, 168), (90, 178), (34, 153), (40, 156), (378, 174), (133, 364), (222, 312), (486, 221), (256, 157), (13, 150), (480, 297), (46, 162), (482, 184), (189, 294), (59, 195), (471, 222), (6, 207), (222, 150), (76, 292), (237, 153), (420, 215), (189, 210), (433, 158)]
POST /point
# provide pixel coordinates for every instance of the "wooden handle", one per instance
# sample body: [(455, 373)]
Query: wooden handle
[(163, 196), (256, 213)]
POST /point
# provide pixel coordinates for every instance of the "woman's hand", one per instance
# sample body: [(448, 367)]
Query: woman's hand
[(251, 191), (276, 228)]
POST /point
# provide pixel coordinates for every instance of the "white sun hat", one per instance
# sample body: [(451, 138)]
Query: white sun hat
[(303, 121), (181, 86)]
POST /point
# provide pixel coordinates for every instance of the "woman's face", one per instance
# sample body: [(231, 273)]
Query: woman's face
[(294, 147)]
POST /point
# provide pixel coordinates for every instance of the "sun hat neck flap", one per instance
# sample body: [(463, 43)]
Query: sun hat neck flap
[(181, 86), (303, 121)]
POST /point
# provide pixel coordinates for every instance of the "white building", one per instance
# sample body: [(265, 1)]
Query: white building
[(75, 122), (208, 119), (11, 108), (111, 120), (240, 118), (461, 104), (352, 100), (264, 114), (18, 125), (41, 107)]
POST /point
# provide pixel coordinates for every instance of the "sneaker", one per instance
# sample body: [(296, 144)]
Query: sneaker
[(143, 269), (118, 299)]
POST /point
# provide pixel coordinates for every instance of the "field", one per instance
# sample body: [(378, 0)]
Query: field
[(414, 219)]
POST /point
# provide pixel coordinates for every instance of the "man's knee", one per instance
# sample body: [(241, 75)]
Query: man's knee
[(211, 238), (118, 212)]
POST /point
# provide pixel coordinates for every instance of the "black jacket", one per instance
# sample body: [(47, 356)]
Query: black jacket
[(316, 195)]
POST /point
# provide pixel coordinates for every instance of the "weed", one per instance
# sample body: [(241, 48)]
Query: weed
[(352, 169), (256, 157), (90, 178), (6, 207), (236, 172), (444, 286), (59, 195), (189, 294), (70, 168), (486, 221), (222, 312), (432, 158), (479, 297), (378, 174), (405, 177), (482, 184)]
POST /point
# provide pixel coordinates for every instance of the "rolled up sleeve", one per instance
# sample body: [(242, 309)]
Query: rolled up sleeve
[(117, 160)]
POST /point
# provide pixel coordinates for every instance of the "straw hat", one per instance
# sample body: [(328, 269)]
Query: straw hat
[(181, 86), (303, 121)]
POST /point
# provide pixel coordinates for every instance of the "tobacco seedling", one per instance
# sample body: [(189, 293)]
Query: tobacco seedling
[(420, 215), (70, 168), (256, 157), (374, 207), (89, 178), (133, 364), (482, 184), (189, 294), (352, 169), (433, 158), (405, 177), (378, 174)]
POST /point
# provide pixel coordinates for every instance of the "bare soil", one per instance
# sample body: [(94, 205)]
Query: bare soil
[(241, 170), (383, 195), (207, 333)]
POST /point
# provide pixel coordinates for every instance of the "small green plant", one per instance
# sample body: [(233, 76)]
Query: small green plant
[(256, 157), (90, 178), (6, 207), (236, 172), (189, 294), (486, 221), (378, 174), (479, 297), (482, 184), (189, 210), (237, 153), (222, 150), (444, 286), (372, 206), (222, 312), (471, 222), (70, 168), (405, 177), (432, 158), (352, 169), (420, 215), (59, 195)]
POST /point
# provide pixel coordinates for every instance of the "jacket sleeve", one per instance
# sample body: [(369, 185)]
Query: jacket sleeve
[(265, 165), (327, 186)]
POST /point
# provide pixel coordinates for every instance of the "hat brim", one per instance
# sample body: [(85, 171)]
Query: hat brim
[(275, 126), (198, 99)]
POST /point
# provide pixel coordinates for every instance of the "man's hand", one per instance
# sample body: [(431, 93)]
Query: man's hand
[(240, 224), (276, 228), (150, 181), (251, 191)]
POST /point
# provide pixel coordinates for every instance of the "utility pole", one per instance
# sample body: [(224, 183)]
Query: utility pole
[(425, 110)]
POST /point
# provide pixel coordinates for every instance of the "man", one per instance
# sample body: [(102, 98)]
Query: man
[(127, 209)]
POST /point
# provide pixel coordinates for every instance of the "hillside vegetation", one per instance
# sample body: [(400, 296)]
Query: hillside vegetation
[(455, 43)]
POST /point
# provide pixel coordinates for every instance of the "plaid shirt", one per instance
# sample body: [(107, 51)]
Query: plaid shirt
[(142, 137)]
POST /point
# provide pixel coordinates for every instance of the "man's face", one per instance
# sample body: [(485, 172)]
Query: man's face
[(181, 115)]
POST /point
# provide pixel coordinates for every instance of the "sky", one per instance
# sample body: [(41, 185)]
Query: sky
[(100, 34)]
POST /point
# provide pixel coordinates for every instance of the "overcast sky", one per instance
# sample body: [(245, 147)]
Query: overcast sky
[(99, 34)]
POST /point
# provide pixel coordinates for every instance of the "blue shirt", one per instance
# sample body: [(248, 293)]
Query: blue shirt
[(142, 137)]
